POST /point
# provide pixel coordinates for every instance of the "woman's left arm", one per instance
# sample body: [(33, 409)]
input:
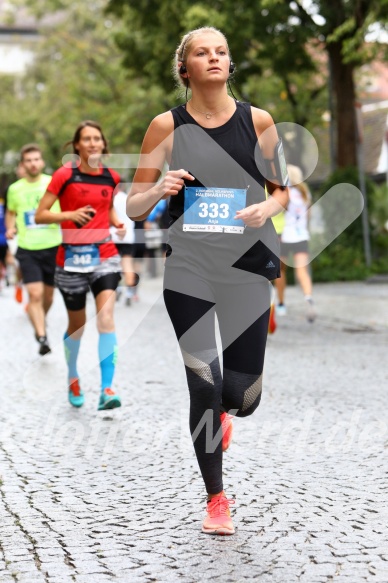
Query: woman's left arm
[(114, 221), (256, 215)]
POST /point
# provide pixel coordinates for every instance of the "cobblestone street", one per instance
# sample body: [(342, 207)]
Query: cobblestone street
[(95, 497)]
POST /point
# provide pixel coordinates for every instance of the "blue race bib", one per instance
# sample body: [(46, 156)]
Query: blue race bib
[(211, 210), (81, 258), (29, 220)]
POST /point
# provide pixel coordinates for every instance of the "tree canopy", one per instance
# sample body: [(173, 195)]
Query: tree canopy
[(77, 74), (111, 61)]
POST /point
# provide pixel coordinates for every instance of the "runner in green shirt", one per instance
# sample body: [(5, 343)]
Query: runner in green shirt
[(37, 244)]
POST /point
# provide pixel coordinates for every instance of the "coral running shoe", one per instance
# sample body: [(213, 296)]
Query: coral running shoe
[(76, 396), (218, 520), (108, 400), (227, 430), (272, 321), (18, 294)]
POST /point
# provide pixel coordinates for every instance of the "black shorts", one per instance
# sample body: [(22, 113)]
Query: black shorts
[(124, 249), (292, 248), (139, 250), (75, 286), (37, 265)]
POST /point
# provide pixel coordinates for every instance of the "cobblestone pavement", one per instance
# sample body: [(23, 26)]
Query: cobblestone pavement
[(93, 497)]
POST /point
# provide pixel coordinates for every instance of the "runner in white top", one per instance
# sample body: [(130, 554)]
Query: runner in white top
[(296, 217), (125, 248), (294, 241)]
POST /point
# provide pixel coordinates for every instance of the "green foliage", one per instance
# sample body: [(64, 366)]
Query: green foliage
[(77, 74), (344, 258), (353, 234), (155, 28), (340, 262), (198, 15), (379, 227), (79, 71), (379, 209)]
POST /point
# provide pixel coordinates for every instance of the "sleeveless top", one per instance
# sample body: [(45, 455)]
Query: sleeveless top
[(227, 156), (296, 225)]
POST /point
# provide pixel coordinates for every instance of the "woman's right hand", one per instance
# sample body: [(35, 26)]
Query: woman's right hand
[(10, 233), (82, 216), (173, 182)]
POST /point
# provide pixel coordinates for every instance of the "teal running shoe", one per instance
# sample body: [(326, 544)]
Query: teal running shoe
[(108, 400), (76, 396)]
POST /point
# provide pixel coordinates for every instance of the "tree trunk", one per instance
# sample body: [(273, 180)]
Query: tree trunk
[(344, 107)]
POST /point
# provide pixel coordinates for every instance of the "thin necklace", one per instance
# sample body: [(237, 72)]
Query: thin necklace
[(208, 114)]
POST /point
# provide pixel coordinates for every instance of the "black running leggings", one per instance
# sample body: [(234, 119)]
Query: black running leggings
[(243, 314)]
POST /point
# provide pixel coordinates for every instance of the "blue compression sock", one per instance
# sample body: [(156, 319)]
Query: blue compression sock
[(107, 352), (71, 354)]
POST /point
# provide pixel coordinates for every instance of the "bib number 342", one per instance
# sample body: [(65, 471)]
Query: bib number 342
[(81, 258)]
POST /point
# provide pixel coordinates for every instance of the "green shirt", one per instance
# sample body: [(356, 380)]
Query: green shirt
[(23, 198), (278, 222)]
